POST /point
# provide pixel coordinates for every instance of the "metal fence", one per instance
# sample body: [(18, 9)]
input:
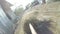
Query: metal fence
[(6, 25)]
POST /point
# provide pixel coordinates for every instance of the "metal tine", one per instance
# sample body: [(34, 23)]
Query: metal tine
[(32, 29)]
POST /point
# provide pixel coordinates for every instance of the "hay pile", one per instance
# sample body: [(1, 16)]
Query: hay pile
[(47, 14)]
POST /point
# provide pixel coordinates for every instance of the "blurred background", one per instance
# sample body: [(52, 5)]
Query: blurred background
[(12, 10)]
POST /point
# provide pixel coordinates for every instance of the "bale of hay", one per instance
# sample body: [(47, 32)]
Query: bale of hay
[(45, 19)]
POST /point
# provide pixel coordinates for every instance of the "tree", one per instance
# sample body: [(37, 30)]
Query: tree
[(18, 10)]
